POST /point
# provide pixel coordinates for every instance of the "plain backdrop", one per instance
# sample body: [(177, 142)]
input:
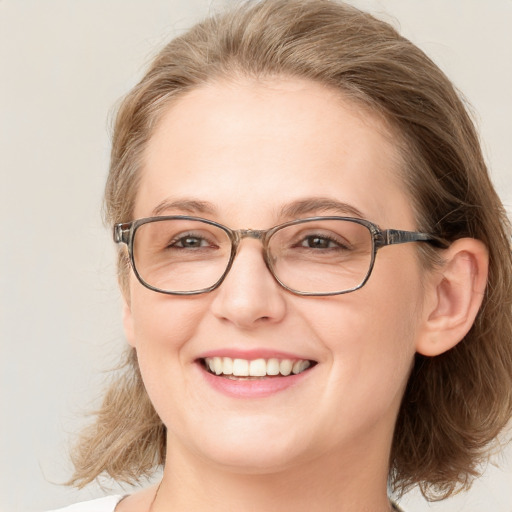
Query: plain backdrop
[(63, 66)]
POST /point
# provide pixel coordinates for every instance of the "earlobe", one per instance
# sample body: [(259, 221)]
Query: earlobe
[(128, 323), (454, 296)]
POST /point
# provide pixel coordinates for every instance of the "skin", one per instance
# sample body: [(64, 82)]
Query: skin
[(250, 148)]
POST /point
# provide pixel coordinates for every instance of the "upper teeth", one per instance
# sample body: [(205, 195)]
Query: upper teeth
[(256, 367)]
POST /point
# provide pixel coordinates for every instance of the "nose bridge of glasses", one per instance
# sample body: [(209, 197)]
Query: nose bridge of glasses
[(256, 234)]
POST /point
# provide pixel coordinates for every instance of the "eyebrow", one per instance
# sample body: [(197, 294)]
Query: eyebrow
[(192, 206), (295, 209), (319, 205)]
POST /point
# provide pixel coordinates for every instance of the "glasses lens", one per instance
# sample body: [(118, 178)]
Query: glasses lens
[(179, 255), (321, 256)]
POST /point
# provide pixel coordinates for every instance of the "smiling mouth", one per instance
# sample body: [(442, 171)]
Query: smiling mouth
[(256, 368)]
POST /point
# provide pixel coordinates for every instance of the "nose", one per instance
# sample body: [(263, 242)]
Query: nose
[(249, 296)]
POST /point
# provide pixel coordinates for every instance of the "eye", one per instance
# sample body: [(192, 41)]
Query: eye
[(319, 242), (323, 241), (190, 241)]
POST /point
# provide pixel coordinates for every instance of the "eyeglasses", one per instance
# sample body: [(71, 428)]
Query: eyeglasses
[(183, 255)]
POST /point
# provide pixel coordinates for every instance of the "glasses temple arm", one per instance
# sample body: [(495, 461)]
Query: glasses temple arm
[(396, 236)]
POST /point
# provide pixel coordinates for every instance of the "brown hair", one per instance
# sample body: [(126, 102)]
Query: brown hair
[(455, 404)]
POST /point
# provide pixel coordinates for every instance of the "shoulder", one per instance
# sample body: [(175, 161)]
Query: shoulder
[(106, 504)]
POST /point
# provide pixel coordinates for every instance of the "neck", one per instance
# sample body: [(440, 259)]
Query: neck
[(329, 483)]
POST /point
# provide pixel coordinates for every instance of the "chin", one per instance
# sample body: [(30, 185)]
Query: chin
[(251, 447), (252, 461)]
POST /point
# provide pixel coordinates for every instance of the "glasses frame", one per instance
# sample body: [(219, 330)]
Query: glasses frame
[(124, 233)]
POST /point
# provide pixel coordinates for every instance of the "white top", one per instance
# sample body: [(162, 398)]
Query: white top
[(109, 503), (106, 504)]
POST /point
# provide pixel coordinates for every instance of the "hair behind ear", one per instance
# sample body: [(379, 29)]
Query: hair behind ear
[(462, 372)]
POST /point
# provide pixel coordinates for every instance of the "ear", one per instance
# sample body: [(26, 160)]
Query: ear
[(453, 297), (129, 330)]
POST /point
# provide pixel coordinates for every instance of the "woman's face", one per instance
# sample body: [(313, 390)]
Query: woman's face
[(249, 155)]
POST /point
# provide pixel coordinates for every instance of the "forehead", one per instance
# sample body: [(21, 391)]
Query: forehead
[(251, 145)]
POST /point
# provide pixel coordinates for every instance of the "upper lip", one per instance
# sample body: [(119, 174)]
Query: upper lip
[(252, 354)]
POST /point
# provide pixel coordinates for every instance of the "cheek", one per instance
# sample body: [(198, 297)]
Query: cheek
[(162, 329), (393, 301), (162, 322), (162, 325), (369, 340), (372, 332)]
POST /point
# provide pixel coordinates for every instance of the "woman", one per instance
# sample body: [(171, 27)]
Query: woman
[(316, 272)]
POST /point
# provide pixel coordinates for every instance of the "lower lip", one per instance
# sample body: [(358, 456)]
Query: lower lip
[(251, 388)]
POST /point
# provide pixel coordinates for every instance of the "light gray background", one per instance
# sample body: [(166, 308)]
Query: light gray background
[(63, 65)]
